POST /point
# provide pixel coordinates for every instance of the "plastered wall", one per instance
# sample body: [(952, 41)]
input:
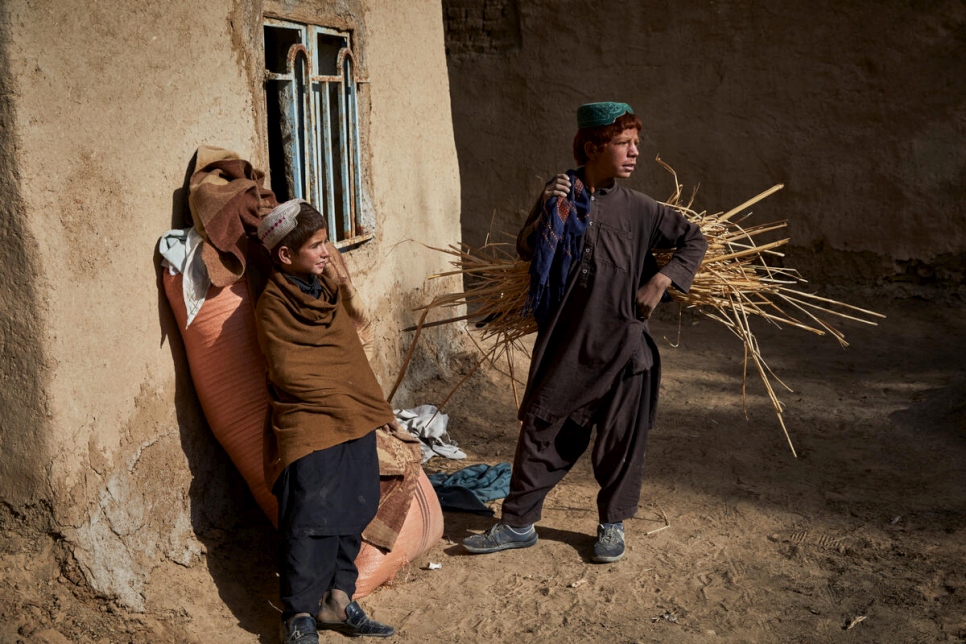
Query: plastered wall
[(102, 109), (856, 107)]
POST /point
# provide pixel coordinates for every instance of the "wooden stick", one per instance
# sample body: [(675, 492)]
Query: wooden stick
[(409, 356)]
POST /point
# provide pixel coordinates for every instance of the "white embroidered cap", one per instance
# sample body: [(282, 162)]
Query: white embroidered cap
[(279, 222)]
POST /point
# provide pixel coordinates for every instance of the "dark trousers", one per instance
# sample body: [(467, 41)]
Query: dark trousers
[(310, 566), (547, 451), (325, 501)]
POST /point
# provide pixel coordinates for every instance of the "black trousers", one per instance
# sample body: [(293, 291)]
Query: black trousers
[(546, 451), (325, 501), (310, 566)]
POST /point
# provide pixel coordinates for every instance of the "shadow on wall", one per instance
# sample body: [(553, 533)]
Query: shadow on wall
[(23, 370), (239, 539)]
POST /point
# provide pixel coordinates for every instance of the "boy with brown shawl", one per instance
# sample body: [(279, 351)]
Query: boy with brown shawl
[(326, 405), (594, 283)]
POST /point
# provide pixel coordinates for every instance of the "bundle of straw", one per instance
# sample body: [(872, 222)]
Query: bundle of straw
[(733, 284)]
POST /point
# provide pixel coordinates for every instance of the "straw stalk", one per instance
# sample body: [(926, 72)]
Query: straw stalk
[(735, 283)]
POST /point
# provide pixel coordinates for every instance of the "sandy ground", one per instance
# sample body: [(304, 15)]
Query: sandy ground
[(859, 539)]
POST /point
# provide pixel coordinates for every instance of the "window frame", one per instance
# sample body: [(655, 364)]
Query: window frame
[(310, 148)]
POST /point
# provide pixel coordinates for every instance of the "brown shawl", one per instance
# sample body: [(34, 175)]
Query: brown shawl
[(323, 389), (337, 270)]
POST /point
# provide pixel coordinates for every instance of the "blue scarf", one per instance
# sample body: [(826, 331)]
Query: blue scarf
[(558, 242)]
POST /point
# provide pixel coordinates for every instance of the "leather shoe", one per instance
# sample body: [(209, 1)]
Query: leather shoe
[(299, 630), (358, 624)]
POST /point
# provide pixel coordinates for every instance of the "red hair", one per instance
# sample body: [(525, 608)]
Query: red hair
[(603, 134)]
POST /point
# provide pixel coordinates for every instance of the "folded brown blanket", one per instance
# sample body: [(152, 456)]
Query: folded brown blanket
[(399, 466), (227, 199)]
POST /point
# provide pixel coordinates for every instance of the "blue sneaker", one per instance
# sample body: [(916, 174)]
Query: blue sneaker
[(500, 537), (299, 630), (610, 542)]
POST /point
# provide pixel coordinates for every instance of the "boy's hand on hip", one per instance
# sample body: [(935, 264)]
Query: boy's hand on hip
[(649, 295)]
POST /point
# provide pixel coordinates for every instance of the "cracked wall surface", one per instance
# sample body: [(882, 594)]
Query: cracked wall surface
[(110, 101), (103, 106)]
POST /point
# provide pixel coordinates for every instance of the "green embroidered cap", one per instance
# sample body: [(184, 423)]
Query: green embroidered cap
[(597, 114)]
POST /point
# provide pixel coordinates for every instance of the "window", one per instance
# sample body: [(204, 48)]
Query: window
[(313, 123)]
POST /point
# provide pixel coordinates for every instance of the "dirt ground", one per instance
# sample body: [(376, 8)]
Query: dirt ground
[(862, 538)]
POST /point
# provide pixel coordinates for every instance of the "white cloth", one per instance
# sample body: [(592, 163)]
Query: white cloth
[(429, 426), (179, 248)]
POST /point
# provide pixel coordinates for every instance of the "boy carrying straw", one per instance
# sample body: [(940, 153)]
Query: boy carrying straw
[(326, 406), (593, 284)]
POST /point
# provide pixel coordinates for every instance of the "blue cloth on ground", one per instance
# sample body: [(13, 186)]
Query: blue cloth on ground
[(468, 489)]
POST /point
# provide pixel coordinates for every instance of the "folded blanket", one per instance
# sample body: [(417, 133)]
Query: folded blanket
[(398, 476), (227, 199)]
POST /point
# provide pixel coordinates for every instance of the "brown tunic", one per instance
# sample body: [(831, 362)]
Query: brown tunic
[(596, 332), (323, 389)]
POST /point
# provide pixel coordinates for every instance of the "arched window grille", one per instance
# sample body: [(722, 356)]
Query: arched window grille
[(313, 123)]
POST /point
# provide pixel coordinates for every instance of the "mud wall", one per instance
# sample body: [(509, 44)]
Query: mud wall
[(22, 368), (857, 107), (102, 108)]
